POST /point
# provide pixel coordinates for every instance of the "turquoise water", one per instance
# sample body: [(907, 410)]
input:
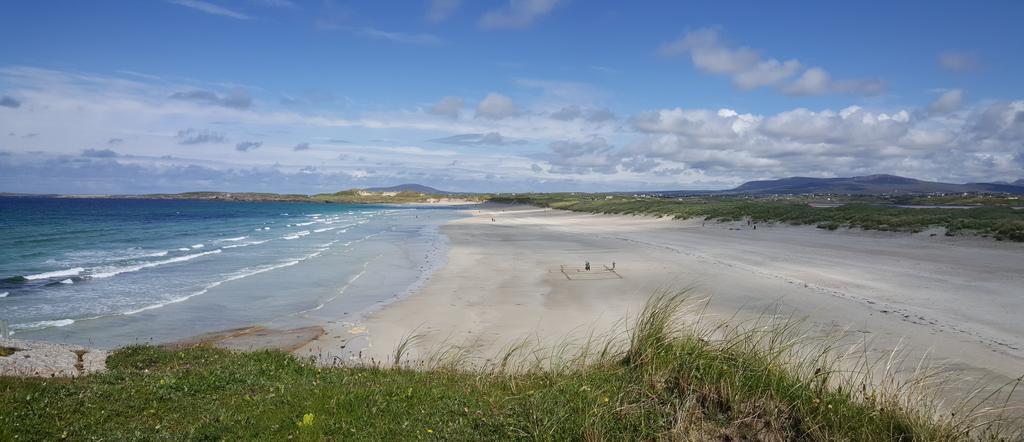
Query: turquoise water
[(109, 272)]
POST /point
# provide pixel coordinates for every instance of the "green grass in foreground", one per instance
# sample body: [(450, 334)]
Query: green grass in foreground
[(667, 382), (999, 222)]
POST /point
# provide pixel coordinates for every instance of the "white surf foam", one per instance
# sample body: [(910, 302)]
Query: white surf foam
[(244, 274), (232, 239), (198, 246), (234, 246), (56, 274), (68, 281), (296, 235), (137, 267), (4, 294), (43, 324)]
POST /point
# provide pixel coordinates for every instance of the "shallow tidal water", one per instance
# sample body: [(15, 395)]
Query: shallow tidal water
[(112, 272)]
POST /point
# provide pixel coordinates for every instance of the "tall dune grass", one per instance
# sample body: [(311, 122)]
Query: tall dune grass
[(769, 379)]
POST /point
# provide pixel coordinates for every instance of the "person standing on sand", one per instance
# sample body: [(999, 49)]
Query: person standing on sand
[(613, 265), (586, 266)]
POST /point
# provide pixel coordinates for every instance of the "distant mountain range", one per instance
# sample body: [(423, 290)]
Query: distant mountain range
[(418, 188), (870, 184)]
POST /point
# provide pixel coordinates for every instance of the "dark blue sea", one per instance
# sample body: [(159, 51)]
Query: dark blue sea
[(110, 272)]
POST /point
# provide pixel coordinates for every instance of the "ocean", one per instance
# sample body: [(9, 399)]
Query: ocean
[(113, 272)]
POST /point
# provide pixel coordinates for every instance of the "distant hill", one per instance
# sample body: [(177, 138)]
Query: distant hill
[(871, 184), (1019, 182), (418, 188), (35, 195)]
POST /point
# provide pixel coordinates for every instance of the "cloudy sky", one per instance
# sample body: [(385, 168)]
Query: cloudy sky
[(503, 95)]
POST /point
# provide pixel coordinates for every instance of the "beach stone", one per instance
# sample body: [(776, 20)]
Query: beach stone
[(47, 360)]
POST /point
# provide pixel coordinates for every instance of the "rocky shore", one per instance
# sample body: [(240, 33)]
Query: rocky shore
[(47, 360)]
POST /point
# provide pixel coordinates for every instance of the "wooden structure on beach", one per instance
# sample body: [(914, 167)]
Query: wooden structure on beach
[(579, 273)]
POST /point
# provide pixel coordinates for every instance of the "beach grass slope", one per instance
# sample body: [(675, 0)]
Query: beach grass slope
[(666, 381), (997, 221)]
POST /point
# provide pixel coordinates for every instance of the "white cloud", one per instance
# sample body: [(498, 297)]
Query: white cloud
[(600, 115), (592, 155), (194, 136), (211, 8), (852, 141), (496, 106), (448, 107), (1000, 122), (277, 3), (749, 70), (563, 92), (705, 126), (949, 101), (440, 10), (766, 73), (812, 82), (99, 153), (709, 54), (487, 139), (246, 146), (517, 14), (958, 61), (567, 113), (399, 37), (661, 148), (237, 98)]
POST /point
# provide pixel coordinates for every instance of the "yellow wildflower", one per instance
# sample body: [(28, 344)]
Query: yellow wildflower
[(307, 420)]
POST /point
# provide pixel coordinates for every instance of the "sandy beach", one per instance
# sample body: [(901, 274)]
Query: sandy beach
[(953, 301)]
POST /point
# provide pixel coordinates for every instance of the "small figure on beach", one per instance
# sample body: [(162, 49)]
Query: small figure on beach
[(492, 220), (613, 265), (586, 266)]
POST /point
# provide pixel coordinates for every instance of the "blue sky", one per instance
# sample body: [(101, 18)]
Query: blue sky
[(503, 95)]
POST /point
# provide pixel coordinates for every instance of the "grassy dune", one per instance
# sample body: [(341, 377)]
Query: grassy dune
[(665, 380), (999, 222)]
